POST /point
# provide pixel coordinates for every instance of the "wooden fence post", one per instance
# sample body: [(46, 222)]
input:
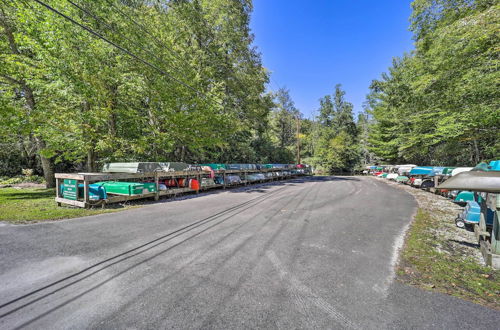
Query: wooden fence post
[(86, 198), (157, 183), (58, 191)]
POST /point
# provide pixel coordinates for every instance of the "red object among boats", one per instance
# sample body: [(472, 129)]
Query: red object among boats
[(194, 184)]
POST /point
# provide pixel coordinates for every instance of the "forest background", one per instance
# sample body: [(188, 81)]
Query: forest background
[(83, 83)]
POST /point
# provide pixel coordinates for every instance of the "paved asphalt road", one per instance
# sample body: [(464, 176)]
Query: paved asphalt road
[(307, 253)]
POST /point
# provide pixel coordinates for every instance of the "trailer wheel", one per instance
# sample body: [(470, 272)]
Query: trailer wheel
[(460, 223)]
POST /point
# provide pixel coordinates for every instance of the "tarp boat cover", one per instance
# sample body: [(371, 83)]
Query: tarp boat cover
[(474, 181)]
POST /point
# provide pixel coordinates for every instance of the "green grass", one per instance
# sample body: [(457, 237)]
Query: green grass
[(448, 272), (29, 205)]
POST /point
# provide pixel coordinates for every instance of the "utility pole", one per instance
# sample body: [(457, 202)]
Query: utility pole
[(298, 139)]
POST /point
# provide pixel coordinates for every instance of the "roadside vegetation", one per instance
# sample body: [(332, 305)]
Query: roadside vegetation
[(69, 101), (438, 105), (35, 179), (438, 256), (430, 262), (29, 205)]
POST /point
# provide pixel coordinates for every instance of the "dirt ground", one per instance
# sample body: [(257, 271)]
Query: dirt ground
[(454, 240)]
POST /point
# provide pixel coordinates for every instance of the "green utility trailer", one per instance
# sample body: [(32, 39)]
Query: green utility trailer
[(128, 188)]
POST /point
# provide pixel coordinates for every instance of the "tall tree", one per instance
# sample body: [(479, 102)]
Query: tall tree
[(439, 105), (337, 149), (193, 90)]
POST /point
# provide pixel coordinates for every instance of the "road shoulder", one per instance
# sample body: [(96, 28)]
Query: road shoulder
[(437, 256)]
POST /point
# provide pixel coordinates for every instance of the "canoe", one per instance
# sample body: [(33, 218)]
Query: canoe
[(422, 170), (392, 176), (488, 181), (438, 170), (494, 165), (402, 178), (128, 188), (215, 167), (448, 170), (464, 197), (405, 169), (144, 167), (460, 170)]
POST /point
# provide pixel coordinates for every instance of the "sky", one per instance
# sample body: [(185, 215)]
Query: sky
[(310, 46)]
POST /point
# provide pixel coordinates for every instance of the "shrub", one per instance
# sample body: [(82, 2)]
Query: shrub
[(22, 179), (27, 172)]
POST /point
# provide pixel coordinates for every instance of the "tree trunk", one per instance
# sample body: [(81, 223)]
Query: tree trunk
[(91, 160), (47, 165), (476, 153), (183, 153)]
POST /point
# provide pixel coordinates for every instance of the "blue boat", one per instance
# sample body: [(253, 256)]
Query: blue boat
[(96, 191), (494, 165), (470, 215), (438, 170), (422, 170)]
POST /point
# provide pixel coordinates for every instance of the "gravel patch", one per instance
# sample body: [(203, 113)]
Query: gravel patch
[(450, 239)]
